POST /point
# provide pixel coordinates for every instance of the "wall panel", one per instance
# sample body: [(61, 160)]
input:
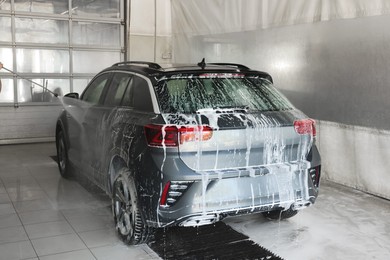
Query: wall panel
[(334, 70), (356, 156), (330, 57), (29, 122)]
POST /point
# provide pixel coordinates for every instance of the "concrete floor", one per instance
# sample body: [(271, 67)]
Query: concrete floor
[(43, 216)]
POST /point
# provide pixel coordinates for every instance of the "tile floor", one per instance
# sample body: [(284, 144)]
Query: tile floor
[(343, 224), (43, 216)]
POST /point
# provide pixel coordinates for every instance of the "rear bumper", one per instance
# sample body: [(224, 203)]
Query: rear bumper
[(213, 195)]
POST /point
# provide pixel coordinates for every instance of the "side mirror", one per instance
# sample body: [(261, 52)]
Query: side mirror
[(72, 95)]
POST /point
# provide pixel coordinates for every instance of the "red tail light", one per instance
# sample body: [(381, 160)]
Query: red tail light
[(164, 194), (305, 126), (171, 136), (159, 135)]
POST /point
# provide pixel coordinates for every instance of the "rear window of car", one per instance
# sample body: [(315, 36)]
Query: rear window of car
[(191, 93)]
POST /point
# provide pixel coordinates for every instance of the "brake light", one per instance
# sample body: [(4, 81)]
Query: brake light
[(172, 136), (159, 135), (305, 126)]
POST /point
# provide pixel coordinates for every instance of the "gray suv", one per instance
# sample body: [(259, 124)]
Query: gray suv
[(188, 145)]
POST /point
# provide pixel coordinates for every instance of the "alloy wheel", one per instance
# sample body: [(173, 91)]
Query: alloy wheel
[(124, 209), (61, 153)]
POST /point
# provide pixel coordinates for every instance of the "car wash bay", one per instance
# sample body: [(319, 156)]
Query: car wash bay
[(329, 58)]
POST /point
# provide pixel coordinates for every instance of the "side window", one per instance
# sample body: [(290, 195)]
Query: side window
[(94, 91), (117, 89), (127, 100), (141, 95)]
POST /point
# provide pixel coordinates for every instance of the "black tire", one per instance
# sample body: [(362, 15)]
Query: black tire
[(279, 214), (127, 216), (62, 155)]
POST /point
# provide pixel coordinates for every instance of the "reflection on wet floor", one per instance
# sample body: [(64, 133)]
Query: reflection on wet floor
[(43, 215)]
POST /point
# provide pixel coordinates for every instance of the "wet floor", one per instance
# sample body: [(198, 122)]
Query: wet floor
[(343, 224), (43, 216)]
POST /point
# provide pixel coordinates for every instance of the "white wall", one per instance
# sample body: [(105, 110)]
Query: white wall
[(150, 31), (331, 58), (357, 157), (28, 123)]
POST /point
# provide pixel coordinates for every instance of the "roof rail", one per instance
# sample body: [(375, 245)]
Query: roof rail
[(151, 65), (239, 66)]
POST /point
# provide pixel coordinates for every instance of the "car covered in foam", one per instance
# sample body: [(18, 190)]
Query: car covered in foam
[(188, 145)]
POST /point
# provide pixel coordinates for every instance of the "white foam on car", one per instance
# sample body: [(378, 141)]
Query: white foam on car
[(276, 158)]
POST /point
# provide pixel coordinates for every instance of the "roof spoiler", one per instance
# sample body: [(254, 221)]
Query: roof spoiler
[(203, 64), (151, 65), (238, 66)]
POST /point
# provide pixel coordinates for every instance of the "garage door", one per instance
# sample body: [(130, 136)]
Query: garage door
[(58, 44)]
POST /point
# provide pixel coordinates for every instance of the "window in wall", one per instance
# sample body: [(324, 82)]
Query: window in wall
[(63, 42), (47, 6), (93, 62), (98, 8), (99, 34), (6, 90), (5, 29), (6, 58), (31, 30), (42, 61), (30, 92), (5, 5)]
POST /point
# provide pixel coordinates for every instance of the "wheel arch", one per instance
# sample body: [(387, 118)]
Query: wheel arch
[(60, 126), (116, 164)]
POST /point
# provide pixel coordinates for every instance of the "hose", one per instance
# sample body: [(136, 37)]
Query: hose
[(29, 80)]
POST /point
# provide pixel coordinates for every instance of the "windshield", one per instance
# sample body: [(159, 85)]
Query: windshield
[(188, 94)]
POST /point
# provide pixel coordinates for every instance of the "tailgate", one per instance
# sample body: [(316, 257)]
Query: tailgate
[(243, 140)]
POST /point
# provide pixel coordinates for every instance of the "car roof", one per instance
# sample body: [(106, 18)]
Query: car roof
[(151, 69)]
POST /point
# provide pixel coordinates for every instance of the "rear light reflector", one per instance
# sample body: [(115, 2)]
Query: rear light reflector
[(305, 126), (173, 191), (315, 174), (171, 136), (164, 194)]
